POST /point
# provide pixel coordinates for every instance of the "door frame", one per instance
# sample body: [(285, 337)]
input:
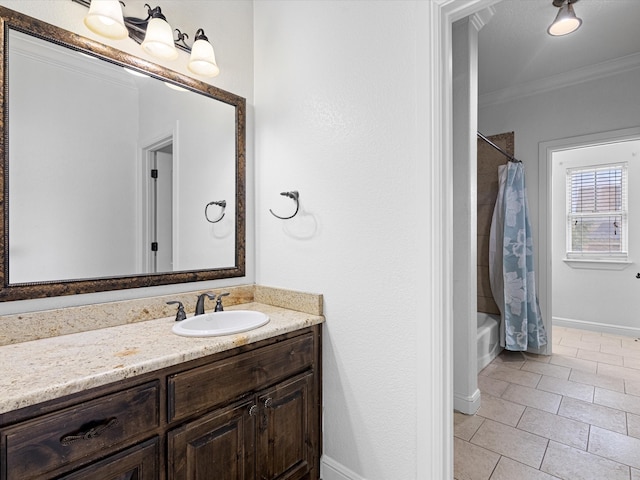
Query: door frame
[(435, 364), (545, 174), (147, 151)]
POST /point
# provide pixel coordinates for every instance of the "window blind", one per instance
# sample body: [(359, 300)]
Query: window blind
[(597, 216)]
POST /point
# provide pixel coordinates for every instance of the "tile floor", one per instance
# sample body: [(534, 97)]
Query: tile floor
[(574, 415)]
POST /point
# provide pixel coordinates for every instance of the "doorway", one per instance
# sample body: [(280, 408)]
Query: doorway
[(157, 191), (435, 423), (611, 276)]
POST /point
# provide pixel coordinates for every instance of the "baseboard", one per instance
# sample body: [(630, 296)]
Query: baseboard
[(468, 405), (332, 470), (596, 327)]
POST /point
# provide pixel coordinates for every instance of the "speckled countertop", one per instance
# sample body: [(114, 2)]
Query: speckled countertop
[(39, 370)]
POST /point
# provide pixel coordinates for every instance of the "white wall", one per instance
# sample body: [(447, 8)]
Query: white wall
[(600, 105), (229, 26), (589, 295), (339, 100)]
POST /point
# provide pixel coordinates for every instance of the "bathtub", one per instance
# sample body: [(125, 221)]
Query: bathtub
[(488, 338)]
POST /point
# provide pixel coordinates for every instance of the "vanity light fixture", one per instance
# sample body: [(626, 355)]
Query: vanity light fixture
[(158, 40), (566, 21), (203, 59), (153, 33), (177, 88), (135, 72), (105, 18)]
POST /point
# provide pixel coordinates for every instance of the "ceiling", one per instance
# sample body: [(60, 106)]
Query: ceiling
[(514, 48)]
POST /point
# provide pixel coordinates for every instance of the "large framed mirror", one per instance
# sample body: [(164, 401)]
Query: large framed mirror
[(115, 172)]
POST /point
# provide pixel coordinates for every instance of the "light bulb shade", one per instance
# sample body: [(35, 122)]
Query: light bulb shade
[(158, 41), (105, 18), (175, 87), (203, 59), (565, 23)]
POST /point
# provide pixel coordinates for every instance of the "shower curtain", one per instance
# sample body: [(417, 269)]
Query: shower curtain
[(511, 264)]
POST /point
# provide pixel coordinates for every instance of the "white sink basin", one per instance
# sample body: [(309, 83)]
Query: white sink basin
[(220, 323)]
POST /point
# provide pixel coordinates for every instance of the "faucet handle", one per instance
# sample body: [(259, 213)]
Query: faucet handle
[(219, 307), (180, 314)]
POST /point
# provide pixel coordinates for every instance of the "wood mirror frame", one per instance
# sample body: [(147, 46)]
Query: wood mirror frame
[(11, 20)]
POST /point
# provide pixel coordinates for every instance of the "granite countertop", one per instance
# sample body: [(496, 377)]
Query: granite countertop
[(39, 370)]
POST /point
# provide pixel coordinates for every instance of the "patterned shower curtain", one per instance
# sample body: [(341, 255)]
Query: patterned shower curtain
[(511, 264)]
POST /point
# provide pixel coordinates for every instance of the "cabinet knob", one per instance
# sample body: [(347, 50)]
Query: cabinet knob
[(268, 402), (253, 411)]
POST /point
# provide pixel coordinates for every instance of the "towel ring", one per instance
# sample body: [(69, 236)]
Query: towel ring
[(296, 198), (220, 203)]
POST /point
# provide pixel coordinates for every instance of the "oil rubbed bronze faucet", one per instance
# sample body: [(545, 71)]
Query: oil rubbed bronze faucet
[(219, 307), (180, 314), (200, 302)]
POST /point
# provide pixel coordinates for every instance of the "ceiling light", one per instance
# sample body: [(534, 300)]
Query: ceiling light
[(566, 20), (105, 18), (203, 59)]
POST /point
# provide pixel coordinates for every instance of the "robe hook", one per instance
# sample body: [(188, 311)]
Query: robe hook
[(296, 198), (220, 203)]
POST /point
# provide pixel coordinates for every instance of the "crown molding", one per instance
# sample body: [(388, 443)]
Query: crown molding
[(555, 82), (481, 18), (67, 59)]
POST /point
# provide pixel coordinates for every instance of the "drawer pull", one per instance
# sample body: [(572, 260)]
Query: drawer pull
[(268, 402), (93, 432), (253, 410)]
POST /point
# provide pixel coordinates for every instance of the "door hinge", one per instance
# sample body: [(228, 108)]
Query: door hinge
[(154, 173), (154, 246)]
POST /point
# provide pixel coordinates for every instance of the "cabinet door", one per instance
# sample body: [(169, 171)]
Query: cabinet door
[(217, 446), (284, 449), (136, 463)]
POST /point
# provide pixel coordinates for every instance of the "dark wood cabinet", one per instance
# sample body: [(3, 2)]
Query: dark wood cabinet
[(39, 447), (219, 445), (267, 437), (199, 389), (136, 463), (248, 413), (284, 442)]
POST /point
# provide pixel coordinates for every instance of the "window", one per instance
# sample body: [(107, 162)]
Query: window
[(597, 212)]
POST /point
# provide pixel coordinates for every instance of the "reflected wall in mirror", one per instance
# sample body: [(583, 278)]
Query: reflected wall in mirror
[(106, 174)]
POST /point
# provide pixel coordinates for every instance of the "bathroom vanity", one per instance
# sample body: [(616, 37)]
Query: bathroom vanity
[(108, 391), (236, 407)]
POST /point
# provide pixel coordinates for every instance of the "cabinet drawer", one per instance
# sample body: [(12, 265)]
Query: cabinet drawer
[(38, 446), (212, 385), (139, 462)]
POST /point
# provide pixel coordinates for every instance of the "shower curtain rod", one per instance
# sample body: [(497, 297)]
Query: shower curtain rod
[(510, 157)]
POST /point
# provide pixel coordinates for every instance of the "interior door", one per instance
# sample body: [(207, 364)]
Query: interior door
[(164, 210)]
